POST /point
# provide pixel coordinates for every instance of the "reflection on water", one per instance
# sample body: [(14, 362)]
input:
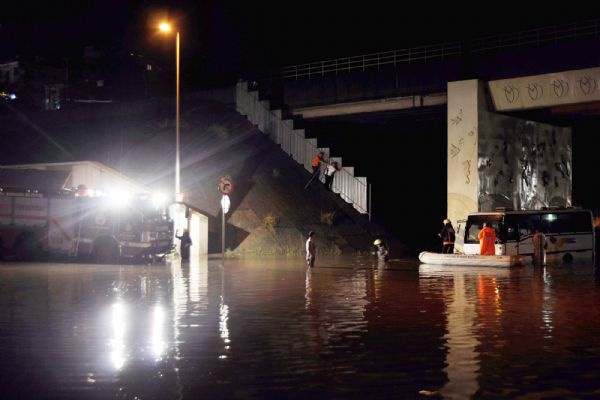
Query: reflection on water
[(349, 328), (158, 326), (462, 357), (117, 342), (547, 304), (223, 317)]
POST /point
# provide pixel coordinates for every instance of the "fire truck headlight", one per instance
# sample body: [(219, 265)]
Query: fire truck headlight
[(159, 199), (119, 199)]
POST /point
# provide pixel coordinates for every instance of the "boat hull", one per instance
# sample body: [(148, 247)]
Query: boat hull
[(427, 257)]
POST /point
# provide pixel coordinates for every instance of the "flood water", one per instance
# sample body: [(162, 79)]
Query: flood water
[(255, 329)]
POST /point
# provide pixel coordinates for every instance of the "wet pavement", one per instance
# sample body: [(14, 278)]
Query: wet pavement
[(349, 328)]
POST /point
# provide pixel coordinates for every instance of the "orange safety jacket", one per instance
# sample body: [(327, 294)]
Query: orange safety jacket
[(316, 161), (487, 238)]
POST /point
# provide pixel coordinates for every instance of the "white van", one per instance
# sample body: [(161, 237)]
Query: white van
[(569, 233)]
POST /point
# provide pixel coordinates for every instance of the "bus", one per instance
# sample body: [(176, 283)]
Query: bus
[(569, 233)]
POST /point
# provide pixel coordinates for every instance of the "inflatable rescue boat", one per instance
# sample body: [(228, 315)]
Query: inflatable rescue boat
[(427, 257)]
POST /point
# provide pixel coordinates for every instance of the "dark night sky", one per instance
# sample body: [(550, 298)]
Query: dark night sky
[(223, 40), (227, 39)]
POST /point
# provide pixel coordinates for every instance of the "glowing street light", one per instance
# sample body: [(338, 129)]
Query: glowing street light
[(164, 27), (167, 28)]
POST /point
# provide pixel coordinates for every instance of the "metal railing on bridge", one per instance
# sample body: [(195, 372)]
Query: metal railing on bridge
[(532, 37), (394, 57), (352, 189), (538, 37)]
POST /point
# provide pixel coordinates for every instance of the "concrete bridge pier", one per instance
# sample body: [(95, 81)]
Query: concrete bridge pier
[(497, 160)]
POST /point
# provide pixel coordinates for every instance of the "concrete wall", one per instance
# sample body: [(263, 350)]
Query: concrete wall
[(497, 160), (463, 112), (547, 90), (522, 164)]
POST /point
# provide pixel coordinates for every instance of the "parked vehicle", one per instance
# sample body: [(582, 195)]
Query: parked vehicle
[(77, 225), (569, 233)]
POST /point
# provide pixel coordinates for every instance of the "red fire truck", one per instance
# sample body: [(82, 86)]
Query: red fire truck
[(75, 224)]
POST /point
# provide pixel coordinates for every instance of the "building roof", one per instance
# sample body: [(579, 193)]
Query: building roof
[(93, 175), (43, 181)]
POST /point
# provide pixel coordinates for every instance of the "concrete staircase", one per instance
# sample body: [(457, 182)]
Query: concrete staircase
[(279, 126)]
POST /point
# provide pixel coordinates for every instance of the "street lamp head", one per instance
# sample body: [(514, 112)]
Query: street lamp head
[(165, 27)]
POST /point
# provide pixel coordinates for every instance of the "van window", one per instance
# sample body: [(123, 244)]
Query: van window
[(567, 223), (582, 222), (528, 224), (475, 224), (511, 228)]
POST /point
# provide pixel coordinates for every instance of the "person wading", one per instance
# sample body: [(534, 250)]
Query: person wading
[(382, 252), (311, 249), (186, 243)]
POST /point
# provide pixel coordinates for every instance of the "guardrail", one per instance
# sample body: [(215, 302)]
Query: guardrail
[(535, 37), (352, 189), (394, 57)]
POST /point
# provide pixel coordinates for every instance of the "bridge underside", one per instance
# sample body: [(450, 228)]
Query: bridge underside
[(500, 160), (372, 106), (522, 158)]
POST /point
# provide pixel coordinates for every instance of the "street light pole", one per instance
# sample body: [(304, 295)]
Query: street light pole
[(178, 213), (177, 165), (166, 27)]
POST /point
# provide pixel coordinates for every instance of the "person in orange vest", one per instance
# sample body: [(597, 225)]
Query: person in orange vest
[(316, 167), (487, 240), (316, 162)]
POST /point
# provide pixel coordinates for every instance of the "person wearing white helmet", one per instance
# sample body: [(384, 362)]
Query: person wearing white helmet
[(447, 234), (382, 251)]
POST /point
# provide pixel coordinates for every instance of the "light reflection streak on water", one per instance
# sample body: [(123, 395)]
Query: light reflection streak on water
[(195, 280), (462, 358), (117, 342), (223, 316), (547, 305), (179, 301), (489, 297), (307, 289), (144, 286), (158, 341)]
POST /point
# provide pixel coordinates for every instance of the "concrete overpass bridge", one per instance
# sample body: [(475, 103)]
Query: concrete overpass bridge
[(491, 118)]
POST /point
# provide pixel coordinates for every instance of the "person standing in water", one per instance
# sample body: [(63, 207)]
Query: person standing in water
[(311, 249)]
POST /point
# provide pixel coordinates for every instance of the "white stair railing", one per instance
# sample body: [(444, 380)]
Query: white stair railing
[(352, 189)]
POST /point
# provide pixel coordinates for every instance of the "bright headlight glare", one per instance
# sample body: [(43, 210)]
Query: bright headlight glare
[(159, 199), (119, 199)]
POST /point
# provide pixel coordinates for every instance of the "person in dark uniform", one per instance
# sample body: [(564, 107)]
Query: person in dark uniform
[(447, 234), (382, 252), (186, 243)]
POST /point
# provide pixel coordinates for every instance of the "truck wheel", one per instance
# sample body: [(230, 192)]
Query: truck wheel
[(106, 250)]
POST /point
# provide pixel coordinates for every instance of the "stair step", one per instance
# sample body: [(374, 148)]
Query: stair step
[(288, 130)]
